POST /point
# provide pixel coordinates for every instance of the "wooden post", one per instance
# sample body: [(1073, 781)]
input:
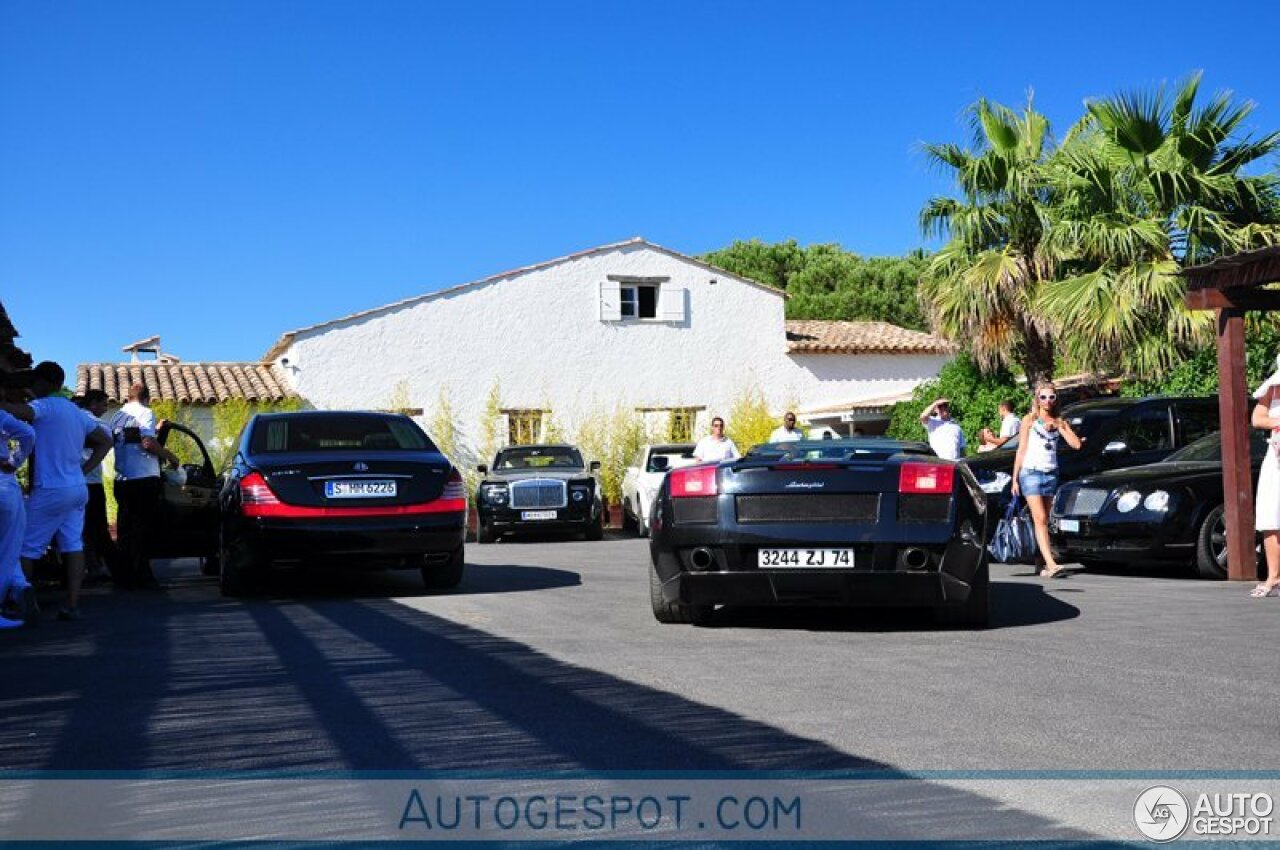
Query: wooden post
[(1237, 480)]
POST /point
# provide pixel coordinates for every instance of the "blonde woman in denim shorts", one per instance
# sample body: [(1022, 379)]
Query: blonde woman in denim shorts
[(1035, 468)]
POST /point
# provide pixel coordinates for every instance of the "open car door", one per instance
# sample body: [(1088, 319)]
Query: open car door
[(188, 511)]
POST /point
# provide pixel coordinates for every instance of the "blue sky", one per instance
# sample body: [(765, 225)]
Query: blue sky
[(219, 173)]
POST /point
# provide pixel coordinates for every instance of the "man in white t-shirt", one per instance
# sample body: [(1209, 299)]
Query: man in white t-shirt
[(55, 507), (945, 435), (715, 447), (138, 487), (1009, 425), (787, 432)]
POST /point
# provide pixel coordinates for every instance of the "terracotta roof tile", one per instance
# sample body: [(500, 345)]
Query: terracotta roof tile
[(826, 337), (191, 383)]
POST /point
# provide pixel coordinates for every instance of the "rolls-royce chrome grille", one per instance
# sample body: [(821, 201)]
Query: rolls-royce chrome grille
[(538, 493)]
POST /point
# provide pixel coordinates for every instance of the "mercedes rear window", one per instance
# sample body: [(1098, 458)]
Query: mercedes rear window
[(337, 433)]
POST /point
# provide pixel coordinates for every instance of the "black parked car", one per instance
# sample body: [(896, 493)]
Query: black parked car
[(363, 490), (1169, 512), (1117, 432), (545, 488), (871, 522)]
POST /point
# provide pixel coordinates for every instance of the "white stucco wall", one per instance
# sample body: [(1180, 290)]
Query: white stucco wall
[(539, 335)]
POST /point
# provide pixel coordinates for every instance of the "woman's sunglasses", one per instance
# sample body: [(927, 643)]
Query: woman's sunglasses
[(1049, 397)]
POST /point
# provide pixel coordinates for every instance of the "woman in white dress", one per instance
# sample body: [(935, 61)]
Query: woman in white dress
[(1266, 414)]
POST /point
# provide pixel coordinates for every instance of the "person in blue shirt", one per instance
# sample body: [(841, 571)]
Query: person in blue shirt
[(16, 441), (55, 507)]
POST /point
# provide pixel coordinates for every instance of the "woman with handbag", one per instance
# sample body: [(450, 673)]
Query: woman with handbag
[(1035, 468), (1266, 414)]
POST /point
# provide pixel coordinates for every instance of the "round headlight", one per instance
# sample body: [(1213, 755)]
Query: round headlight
[(1156, 501), (1128, 501), (579, 495), (497, 495)]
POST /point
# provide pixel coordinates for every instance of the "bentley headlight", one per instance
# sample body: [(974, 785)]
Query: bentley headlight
[(1156, 501), (1128, 500)]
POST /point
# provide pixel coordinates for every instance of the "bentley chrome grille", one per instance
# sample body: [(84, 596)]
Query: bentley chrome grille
[(538, 493), (1085, 501)]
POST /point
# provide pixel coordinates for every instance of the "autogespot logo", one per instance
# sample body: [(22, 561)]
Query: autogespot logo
[(1161, 813)]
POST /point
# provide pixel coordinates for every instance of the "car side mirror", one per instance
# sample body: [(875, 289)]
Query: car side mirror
[(482, 469), (661, 463), (1116, 448), (595, 466)]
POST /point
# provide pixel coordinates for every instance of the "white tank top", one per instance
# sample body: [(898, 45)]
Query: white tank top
[(1042, 449)]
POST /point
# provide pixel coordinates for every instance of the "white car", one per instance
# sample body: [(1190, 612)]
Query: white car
[(644, 477)]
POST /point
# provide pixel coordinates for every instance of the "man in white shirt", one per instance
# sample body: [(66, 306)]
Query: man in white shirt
[(138, 487), (787, 432), (945, 435), (715, 447), (1009, 424), (55, 508)]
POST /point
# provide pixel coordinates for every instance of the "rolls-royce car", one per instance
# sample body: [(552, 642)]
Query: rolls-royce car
[(1162, 513), (854, 522), (643, 478), (357, 490), (543, 488)]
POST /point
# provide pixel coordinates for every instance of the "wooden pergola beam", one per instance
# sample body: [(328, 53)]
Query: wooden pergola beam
[(1231, 286), (1264, 300)]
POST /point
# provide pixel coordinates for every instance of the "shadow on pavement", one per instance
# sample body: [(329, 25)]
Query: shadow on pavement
[(1013, 605), (185, 680), (477, 579)]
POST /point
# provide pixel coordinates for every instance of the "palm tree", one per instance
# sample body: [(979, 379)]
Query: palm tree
[(981, 287), (1144, 185)]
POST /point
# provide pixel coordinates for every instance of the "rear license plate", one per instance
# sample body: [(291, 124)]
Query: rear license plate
[(1072, 525), (806, 559), (359, 489), (537, 515)]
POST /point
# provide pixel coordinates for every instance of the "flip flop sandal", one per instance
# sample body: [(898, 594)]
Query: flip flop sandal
[(1262, 591)]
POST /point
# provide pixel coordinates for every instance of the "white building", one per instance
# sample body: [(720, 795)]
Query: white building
[(630, 325)]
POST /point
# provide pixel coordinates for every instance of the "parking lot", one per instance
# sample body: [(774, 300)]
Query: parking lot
[(548, 657)]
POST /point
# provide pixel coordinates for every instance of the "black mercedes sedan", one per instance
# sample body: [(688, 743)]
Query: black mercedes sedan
[(358, 490), (856, 522), (543, 488), (1162, 513)]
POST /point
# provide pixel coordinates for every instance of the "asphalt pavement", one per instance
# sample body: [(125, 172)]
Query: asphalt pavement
[(547, 658)]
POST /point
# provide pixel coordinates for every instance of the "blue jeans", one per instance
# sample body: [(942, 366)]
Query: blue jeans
[(1035, 482)]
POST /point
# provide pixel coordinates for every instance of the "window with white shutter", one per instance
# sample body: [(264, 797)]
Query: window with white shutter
[(610, 301), (673, 304)]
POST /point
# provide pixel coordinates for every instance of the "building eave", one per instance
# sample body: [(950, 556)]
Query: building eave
[(287, 339)]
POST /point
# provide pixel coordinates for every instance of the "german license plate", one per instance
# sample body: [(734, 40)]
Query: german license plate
[(1071, 525), (537, 515), (370, 489), (806, 559)]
